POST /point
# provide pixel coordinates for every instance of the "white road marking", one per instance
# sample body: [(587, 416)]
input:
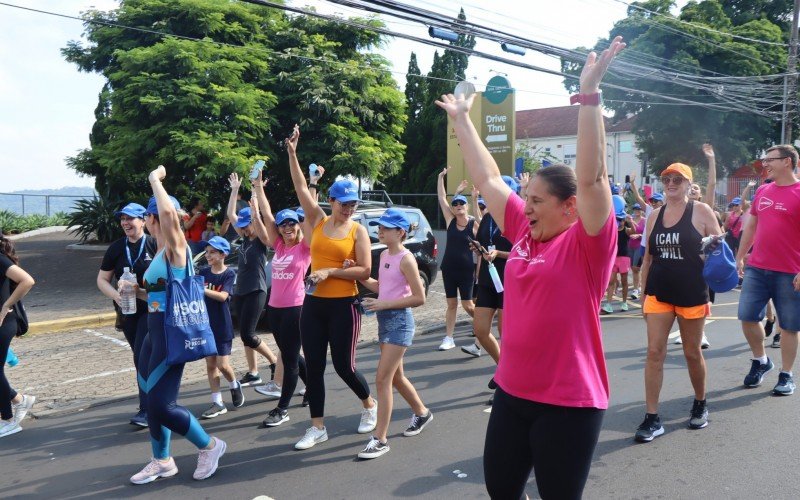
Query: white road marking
[(117, 341), (82, 379), (677, 333)]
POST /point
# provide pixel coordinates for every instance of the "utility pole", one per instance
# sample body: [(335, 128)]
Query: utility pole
[(791, 86)]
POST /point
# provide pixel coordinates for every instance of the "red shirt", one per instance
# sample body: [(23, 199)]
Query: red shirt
[(195, 232)]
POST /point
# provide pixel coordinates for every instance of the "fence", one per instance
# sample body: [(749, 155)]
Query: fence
[(47, 204), (428, 203)]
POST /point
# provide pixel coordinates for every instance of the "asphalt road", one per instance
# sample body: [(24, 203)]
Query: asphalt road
[(748, 450)]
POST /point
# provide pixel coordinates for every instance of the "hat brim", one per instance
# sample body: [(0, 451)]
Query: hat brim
[(278, 223), (390, 225), (130, 213), (204, 244), (348, 198), (243, 223)]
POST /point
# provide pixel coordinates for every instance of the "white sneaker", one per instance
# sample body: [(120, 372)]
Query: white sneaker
[(270, 389), (472, 350), (9, 427), (312, 437), (208, 460), (704, 342), (369, 419), (302, 391), (678, 341), (635, 294), (447, 344), (21, 409), (154, 470)]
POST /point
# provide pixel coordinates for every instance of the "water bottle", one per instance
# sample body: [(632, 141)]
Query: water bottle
[(12, 358), (312, 170), (127, 294), (257, 167), (498, 285)]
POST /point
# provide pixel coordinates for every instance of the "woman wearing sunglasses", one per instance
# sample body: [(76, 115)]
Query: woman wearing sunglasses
[(458, 268), (289, 266), (672, 272)]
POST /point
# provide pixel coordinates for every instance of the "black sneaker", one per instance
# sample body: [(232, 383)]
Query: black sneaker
[(276, 417), (649, 429), (140, 419), (249, 380), (305, 399), (776, 340), (698, 418), (214, 410), (374, 449), (417, 424), (768, 328), (757, 372), (272, 371), (492, 384), (237, 396)]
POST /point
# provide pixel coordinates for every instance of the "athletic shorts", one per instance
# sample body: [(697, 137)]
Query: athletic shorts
[(488, 297), (224, 348), (622, 265), (759, 286), (458, 283), (636, 255), (652, 305), (396, 326)]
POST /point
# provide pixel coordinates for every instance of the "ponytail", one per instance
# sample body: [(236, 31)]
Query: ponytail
[(7, 249)]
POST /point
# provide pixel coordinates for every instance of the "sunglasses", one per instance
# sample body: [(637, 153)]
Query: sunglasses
[(458, 203), (288, 223), (673, 179), (482, 207), (767, 160)]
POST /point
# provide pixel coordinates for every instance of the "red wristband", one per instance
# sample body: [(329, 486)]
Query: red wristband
[(595, 99)]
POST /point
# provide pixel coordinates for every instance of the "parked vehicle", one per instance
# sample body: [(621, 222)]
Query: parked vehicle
[(421, 242)]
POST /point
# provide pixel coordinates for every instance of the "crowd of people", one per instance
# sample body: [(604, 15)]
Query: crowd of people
[(528, 236)]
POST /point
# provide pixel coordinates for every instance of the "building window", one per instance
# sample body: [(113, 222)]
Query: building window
[(569, 153), (625, 146)]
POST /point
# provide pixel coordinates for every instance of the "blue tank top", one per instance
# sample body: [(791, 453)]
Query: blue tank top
[(155, 281)]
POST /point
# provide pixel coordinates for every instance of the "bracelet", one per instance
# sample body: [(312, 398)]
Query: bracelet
[(595, 99), (313, 186)]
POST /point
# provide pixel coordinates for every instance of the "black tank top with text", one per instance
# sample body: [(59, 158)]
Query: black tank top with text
[(676, 269)]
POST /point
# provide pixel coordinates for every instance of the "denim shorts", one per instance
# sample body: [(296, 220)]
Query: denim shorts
[(396, 326), (759, 286)]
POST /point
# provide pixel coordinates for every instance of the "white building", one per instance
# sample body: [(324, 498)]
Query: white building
[(552, 132)]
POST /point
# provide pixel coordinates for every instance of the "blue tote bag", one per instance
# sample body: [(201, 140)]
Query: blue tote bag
[(186, 324)]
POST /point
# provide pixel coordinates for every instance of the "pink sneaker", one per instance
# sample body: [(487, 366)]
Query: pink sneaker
[(208, 460), (154, 470)]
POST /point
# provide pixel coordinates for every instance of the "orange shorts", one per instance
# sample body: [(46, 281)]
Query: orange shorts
[(652, 305)]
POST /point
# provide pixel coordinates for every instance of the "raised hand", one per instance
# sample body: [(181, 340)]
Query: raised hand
[(708, 150), (475, 192), (291, 141), (595, 67), (456, 106), (462, 186), (158, 174), (234, 181), (524, 179), (444, 171)]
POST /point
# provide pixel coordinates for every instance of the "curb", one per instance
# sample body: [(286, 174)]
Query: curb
[(73, 323), (89, 248), (37, 232)]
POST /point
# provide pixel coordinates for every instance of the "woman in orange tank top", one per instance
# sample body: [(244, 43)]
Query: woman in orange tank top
[(331, 311)]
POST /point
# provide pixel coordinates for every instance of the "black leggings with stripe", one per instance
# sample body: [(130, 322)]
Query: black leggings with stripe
[(335, 322)]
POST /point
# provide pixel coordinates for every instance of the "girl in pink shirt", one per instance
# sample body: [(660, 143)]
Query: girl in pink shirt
[(399, 289), (552, 390)]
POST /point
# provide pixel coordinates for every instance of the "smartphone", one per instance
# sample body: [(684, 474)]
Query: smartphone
[(257, 167), (312, 170), (627, 179), (477, 245)]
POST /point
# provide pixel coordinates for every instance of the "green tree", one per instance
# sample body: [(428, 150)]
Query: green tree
[(224, 88), (666, 134)]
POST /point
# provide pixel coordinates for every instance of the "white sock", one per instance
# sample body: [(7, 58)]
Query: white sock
[(233, 384), (762, 360), (255, 374), (216, 397), (787, 373)]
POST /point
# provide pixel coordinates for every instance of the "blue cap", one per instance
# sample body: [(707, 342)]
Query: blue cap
[(619, 206), (394, 218), (244, 218), (458, 197), (301, 214), (614, 189), (132, 210), (511, 183), (219, 243), (481, 201), (719, 270), (657, 197), (286, 214), (736, 201), (152, 206), (636, 206), (344, 191)]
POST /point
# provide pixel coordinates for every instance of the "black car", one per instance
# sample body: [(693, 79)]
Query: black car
[(421, 241)]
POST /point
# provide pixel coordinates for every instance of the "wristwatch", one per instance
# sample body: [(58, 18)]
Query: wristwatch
[(313, 186), (595, 99)]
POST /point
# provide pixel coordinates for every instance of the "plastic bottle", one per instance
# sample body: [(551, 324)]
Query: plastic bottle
[(498, 285), (12, 358), (127, 294), (257, 167), (312, 170)]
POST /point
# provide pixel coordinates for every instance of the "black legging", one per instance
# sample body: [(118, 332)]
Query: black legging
[(557, 442), (248, 309), (7, 332), (336, 322), (284, 322), (134, 327)]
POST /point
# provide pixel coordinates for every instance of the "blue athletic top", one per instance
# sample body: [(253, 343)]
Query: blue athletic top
[(155, 281)]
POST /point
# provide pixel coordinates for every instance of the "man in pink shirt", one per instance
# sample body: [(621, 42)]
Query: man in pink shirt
[(773, 271)]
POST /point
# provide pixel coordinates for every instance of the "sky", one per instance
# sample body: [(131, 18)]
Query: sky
[(47, 106)]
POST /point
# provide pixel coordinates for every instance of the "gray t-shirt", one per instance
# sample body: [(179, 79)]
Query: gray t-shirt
[(252, 273)]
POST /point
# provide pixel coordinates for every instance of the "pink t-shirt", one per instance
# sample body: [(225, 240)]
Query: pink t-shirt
[(289, 266), (392, 283), (552, 343), (776, 246)]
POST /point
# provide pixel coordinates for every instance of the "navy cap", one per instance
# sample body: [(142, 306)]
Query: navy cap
[(344, 191), (657, 197), (219, 243), (481, 202), (132, 210), (511, 183), (244, 218), (719, 269), (301, 214), (286, 214), (393, 218), (152, 206), (614, 189), (458, 197)]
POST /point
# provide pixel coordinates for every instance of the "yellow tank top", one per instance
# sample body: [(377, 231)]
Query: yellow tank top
[(329, 252)]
